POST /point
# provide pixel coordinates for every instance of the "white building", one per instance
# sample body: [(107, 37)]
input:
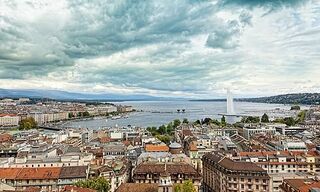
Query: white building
[(250, 131), (7, 120)]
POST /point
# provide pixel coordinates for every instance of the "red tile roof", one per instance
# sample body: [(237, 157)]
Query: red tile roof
[(156, 148), (105, 139), (302, 185), (3, 115), (5, 137), (77, 189), (9, 173), (39, 173)]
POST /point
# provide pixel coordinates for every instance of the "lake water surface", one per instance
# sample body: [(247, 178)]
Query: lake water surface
[(156, 113)]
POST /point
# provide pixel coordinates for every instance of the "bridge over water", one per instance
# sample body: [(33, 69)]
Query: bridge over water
[(51, 128)]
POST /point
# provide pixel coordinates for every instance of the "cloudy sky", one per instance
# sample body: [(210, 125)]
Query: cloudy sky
[(185, 48)]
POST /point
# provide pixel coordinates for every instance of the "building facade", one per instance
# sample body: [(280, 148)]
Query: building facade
[(221, 174)]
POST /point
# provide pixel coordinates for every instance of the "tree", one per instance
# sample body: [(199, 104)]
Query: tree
[(279, 120), (185, 121), (265, 118), (176, 123), (301, 116), (162, 129), (28, 123), (164, 138), (186, 186), (216, 122), (207, 120), (250, 119), (170, 128), (223, 121), (70, 115), (197, 122), (86, 114), (100, 184), (289, 121)]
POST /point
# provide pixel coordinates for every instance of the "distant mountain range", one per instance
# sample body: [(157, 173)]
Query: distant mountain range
[(295, 98), (64, 95)]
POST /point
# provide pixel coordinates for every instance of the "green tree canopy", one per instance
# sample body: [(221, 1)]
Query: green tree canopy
[(99, 183), (185, 120), (186, 186), (265, 118), (162, 129), (28, 123), (176, 123), (164, 138), (250, 119), (289, 121), (86, 114), (223, 121)]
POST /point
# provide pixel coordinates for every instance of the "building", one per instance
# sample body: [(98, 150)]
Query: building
[(250, 131), (115, 171), (178, 172), (9, 120), (141, 187), (46, 178), (156, 148), (290, 130), (282, 165), (300, 185), (221, 174), (124, 108)]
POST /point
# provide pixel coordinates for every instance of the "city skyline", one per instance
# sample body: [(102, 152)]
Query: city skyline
[(191, 49)]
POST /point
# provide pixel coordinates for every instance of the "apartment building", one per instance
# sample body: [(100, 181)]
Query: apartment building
[(283, 164), (9, 120), (300, 185), (116, 172), (46, 178), (248, 132), (221, 174), (178, 172)]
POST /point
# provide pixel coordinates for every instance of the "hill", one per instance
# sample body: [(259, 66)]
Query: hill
[(65, 95), (295, 98)]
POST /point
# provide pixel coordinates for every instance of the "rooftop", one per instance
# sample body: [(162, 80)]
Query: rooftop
[(156, 148), (141, 187)]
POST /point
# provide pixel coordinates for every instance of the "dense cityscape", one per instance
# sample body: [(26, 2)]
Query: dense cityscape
[(39, 153), (159, 96)]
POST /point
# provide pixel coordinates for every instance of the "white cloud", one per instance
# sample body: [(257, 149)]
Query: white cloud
[(194, 49)]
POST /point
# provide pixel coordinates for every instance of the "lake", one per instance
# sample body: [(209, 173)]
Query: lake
[(156, 113)]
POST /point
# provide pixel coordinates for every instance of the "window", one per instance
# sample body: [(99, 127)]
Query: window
[(242, 179), (257, 187), (242, 186)]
